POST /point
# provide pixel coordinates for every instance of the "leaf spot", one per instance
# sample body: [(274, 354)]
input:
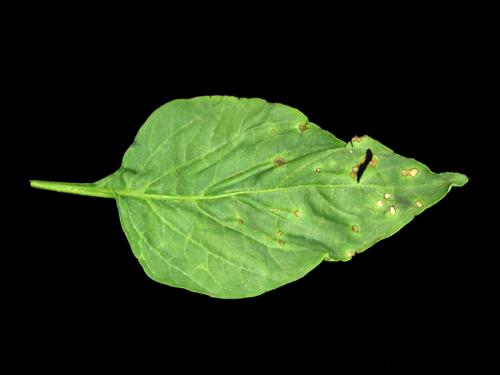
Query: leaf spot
[(409, 172), (297, 213), (303, 127), (281, 242), (387, 195), (273, 131), (419, 204), (357, 139), (392, 210), (239, 220), (355, 228), (279, 161), (355, 169), (280, 233), (274, 210), (380, 203), (373, 162), (317, 170)]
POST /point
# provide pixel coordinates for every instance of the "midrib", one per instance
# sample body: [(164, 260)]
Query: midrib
[(97, 191)]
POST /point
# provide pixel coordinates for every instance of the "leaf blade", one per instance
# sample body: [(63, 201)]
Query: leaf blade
[(235, 197)]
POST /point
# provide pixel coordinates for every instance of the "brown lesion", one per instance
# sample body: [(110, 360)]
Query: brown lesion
[(303, 127), (281, 242), (357, 139), (279, 161)]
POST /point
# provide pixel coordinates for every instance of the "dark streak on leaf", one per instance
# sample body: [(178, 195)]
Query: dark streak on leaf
[(364, 164)]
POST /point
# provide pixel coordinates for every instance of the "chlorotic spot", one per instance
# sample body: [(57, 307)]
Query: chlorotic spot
[(387, 195), (409, 172), (279, 161), (239, 220), (303, 127), (273, 131), (373, 162), (352, 174), (281, 242), (274, 210), (392, 210), (297, 213), (380, 203), (317, 170), (419, 204), (279, 233), (355, 228)]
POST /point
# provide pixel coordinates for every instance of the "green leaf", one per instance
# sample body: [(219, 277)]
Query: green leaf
[(235, 197)]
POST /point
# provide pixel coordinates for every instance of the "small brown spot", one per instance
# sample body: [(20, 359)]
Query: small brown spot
[(303, 127), (392, 210), (405, 172), (387, 195), (413, 172), (373, 162), (353, 174), (279, 233), (357, 139), (355, 228), (317, 170), (419, 204), (279, 162), (355, 169), (380, 203), (239, 220), (297, 213), (281, 242)]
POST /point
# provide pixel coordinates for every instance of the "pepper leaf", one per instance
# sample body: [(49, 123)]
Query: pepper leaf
[(235, 197)]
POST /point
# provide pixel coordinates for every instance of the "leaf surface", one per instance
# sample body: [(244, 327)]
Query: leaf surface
[(235, 197)]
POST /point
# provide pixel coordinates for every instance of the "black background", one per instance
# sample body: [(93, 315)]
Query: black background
[(78, 102)]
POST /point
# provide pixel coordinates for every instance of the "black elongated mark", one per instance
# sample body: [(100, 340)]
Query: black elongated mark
[(364, 164)]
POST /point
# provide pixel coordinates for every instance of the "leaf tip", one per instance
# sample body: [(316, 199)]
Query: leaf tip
[(457, 179)]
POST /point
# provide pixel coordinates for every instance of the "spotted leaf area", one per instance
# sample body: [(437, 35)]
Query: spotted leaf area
[(235, 197)]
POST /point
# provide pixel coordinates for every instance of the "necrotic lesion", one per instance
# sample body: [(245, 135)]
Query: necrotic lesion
[(364, 164)]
